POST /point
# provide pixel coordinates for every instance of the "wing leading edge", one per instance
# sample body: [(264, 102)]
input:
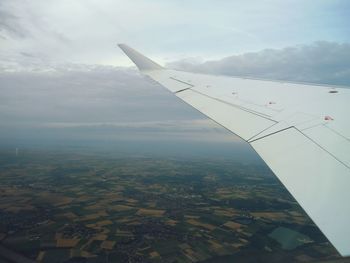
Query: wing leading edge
[(300, 131)]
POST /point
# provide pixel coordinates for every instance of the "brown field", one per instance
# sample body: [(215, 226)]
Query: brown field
[(151, 204), (124, 233), (232, 225), (150, 212), (217, 248), (63, 200), (191, 255), (119, 208), (222, 212), (154, 254), (271, 215), (107, 244), (16, 209), (132, 201), (237, 245), (184, 246), (40, 256), (70, 215), (83, 198), (104, 223), (102, 213), (125, 220), (90, 217), (87, 254), (100, 237), (214, 244), (170, 222), (94, 207), (54, 199), (198, 223), (244, 241), (192, 217), (65, 242), (134, 223), (224, 193)]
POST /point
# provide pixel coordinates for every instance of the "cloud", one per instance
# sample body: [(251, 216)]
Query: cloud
[(320, 62), (185, 125), (203, 130), (81, 31), (96, 103), (80, 93), (9, 24)]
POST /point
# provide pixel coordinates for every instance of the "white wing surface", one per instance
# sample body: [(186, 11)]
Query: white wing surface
[(301, 131)]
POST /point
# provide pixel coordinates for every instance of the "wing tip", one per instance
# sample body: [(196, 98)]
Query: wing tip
[(142, 62)]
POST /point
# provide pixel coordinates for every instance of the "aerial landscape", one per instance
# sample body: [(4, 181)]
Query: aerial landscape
[(66, 207), (169, 131)]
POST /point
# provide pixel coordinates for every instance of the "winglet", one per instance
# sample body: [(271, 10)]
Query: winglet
[(142, 62)]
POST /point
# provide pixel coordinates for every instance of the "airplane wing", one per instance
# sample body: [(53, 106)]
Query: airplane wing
[(301, 131)]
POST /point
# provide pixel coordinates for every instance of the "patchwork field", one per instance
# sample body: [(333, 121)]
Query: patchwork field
[(57, 207)]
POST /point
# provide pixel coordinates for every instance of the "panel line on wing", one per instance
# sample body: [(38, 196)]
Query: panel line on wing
[(181, 81), (238, 106), (250, 141), (311, 127), (181, 90), (320, 146), (262, 131), (336, 132), (331, 154)]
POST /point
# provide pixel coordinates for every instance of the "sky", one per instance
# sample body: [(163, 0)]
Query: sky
[(63, 78), (87, 31)]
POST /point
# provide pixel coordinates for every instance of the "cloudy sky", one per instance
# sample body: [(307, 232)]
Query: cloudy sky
[(87, 31), (62, 76)]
